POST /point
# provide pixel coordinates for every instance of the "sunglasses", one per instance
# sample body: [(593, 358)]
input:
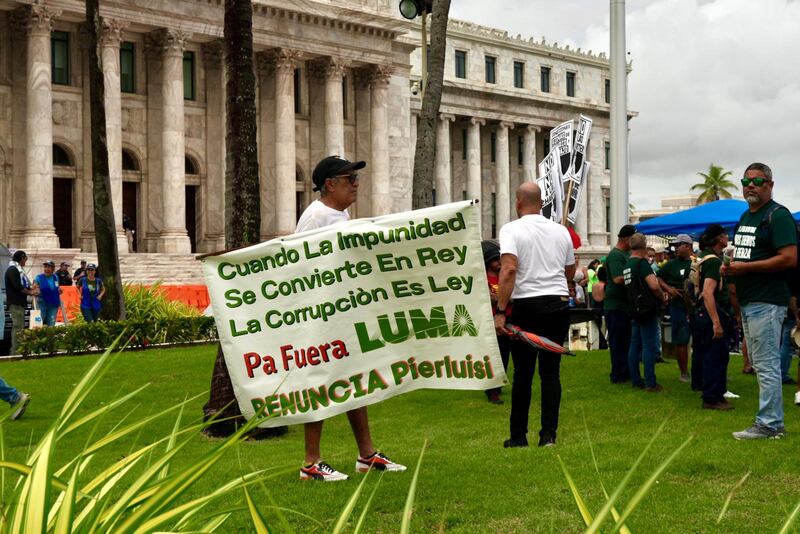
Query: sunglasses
[(758, 182), (352, 178)]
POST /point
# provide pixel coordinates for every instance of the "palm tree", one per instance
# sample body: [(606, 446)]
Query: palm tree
[(715, 185)]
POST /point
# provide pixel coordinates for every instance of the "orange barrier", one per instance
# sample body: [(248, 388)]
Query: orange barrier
[(195, 296)]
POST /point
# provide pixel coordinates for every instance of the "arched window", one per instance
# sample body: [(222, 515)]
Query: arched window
[(190, 166), (129, 162), (61, 156)]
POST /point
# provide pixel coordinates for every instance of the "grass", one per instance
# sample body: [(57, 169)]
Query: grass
[(467, 482)]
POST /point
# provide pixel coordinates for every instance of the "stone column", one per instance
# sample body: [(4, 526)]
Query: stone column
[(379, 124), (529, 154), (474, 158), (284, 62), (443, 175), (38, 231), (268, 185), (173, 238), (213, 220), (502, 185), (110, 37), (331, 70)]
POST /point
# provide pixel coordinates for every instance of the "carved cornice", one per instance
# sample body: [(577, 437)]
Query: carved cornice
[(111, 32), (327, 68), (213, 52), (166, 41), (35, 19)]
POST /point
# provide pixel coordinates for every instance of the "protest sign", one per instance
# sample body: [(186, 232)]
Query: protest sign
[(561, 142), (321, 322), (575, 194), (549, 182), (581, 142)]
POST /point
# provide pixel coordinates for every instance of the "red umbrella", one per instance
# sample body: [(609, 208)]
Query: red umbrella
[(536, 341)]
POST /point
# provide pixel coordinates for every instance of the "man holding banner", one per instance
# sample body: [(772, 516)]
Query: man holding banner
[(337, 182), (537, 259)]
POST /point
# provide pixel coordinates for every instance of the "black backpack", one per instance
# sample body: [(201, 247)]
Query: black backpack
[(641, 299), (792, 275)]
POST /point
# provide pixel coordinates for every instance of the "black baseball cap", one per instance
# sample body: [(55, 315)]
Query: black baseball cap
[(627, 231), (333, 166)]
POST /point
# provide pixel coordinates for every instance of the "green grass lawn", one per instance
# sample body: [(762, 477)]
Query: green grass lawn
[(468, 482)]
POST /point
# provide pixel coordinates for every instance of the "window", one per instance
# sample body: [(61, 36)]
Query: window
[(494, 214), (546, 145), (61, 156), (490, 68), (59, 59), (129, 161), (298, 95), (607, 90), (344, 97), (608, 155), (545, 79), (570, 84), (519, 74), (464, 143), (188, 76), (189, 166), (520, 150), (493, 139), (607, 201), (127, 68), (461, 64)]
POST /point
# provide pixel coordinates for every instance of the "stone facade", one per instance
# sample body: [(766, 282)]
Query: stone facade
[(334, 77)]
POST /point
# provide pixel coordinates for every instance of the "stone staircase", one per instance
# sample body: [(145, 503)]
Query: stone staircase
[(149, 268)]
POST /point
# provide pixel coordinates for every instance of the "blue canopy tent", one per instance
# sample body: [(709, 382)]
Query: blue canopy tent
[(694, 221)]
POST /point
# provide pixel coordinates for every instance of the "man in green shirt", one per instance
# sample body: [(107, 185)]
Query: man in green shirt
[(765, 247), (671, 277), (615, 307)]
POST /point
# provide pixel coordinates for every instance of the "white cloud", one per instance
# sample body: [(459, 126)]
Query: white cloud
[(713, 81)]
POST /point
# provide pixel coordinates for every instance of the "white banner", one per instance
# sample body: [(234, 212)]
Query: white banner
[(549, 182), (321, 322), (561, 142), (581, 143), (575, 194)]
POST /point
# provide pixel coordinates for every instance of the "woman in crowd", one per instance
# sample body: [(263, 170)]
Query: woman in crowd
[(49, 299), (92, 292)]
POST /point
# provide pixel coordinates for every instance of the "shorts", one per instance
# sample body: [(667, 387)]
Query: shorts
[(679, 321)]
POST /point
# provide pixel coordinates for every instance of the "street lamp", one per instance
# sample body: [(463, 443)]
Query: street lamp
[(411, 9)]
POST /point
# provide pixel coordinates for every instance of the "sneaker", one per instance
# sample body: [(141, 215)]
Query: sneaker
[(494, 398), (379, 462), (797, 398), (790, 382), (659, 359), (20, 405), (515, 442), (638, 385), (658, 388), (547, 441), (721, 406), (730, 395), (758, 431), (321, 471), (684, 378)]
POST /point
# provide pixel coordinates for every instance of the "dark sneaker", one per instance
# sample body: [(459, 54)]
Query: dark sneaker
[(494, 398), (758, 431), (547, 441), (658, 388), (20, 405), (721, 406), (321, 471), (638, 385), (790, 382), (515, 442), (379, 462), (660, 360)]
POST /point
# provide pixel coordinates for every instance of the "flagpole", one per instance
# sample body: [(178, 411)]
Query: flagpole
[(619, 119)]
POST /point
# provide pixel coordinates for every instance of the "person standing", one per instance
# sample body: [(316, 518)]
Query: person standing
[(49, 298), (713, 320), (64, 278), (671, 278), (92, 292), (80, 272), (18, 289), (645, 298), (537, 258), (615, 307), (765, 248), (787, 349), (491, 260), (337, 182)]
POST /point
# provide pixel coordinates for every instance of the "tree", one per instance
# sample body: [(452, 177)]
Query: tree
[(105, 230), (715, 185), (425, 151)]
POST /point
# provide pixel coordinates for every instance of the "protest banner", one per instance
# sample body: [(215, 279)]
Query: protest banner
[(575, 194), (561, 142), (321, 322), (581, 142), (549, 181)]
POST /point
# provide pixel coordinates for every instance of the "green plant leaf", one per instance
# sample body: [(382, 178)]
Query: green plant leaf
[(408, 509), (259, 524), (582, 508), (728, 499), (341, 522), (790, 520), (66, 512), (363, 516)]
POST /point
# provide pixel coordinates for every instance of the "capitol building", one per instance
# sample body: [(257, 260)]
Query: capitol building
[(333, 77)]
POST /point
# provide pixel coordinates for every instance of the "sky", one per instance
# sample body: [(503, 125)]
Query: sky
[(713, 81)]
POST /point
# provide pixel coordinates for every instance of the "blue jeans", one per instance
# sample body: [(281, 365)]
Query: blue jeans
[(643, 344), (762, 324), (787, 350), (8, 393), (90, 314), (48, 313)]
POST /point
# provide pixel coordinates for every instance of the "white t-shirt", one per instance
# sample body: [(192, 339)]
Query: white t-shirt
[(543, 249), (318, 215)]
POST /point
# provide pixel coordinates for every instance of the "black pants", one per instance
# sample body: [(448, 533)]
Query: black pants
[(713, 353), (618, 323), (548, 317), (504, 342)]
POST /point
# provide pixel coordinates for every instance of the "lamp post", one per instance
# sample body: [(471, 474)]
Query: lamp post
[(411, 9), (619, 119)]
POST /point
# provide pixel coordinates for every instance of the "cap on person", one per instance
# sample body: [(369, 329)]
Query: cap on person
[(491, 251), (64, 264), (50, 263), (712, 232), (331, 167), (19, 256), (626, 231), (91, 266), (681, 239)]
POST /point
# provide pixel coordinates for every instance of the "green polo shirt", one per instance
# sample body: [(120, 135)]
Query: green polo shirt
[(753, 242), (616, 295), (674, 272)]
